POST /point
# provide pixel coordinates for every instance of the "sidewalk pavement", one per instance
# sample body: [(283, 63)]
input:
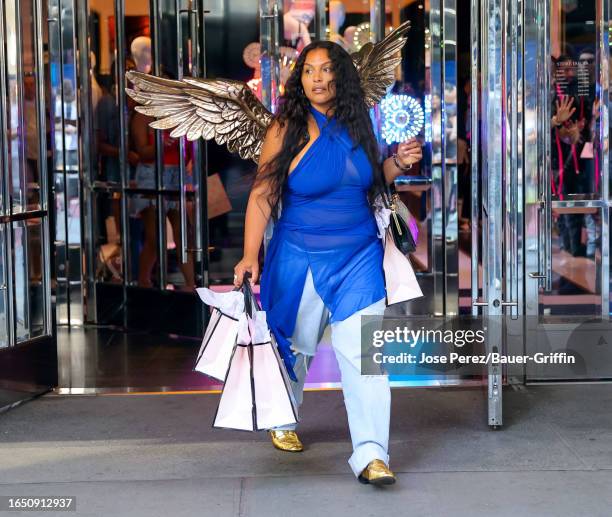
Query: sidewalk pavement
[(146, 455)]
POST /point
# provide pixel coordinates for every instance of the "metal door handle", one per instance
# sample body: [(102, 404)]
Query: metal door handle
[(536, 275), (484, 304), (182, 202), (182, 195), (545, 240)]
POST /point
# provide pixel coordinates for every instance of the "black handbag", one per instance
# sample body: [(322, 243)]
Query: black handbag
[(398, 220)]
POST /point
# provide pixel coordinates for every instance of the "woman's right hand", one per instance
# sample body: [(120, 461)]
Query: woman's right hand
[(250, 264)]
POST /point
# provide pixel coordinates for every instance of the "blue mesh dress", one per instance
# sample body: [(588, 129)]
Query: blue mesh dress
[(325, 224)]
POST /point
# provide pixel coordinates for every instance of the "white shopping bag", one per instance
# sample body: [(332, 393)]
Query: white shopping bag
[(235, 410), (274, 403), (400, 281), (220, 335), (256, 394)]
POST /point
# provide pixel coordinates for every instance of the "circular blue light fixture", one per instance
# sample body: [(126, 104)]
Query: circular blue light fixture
[(403, 118)]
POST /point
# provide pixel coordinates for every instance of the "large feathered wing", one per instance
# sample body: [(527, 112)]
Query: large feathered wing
[(376, 63), (220, 109)]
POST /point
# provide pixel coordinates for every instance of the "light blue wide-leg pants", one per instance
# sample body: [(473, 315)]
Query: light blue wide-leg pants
[(367, 398)]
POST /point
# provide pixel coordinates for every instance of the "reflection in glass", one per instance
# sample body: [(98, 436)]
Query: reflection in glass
[(14, 110), (575, 160), (179, 275), (298, 16), (67, 210), (143, 229), (347, 26), (31, 143), (226, 228), (31, 128), (23, 297), (4, 342), (177, 154), (576, 278), (64, 128), (28, 275), (575, 122), (108, 259), (419, 79), (142, 207), (107, 130), (107, 143)]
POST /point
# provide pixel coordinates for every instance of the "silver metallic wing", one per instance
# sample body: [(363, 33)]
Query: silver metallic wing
[(376, 63), (220, 109)]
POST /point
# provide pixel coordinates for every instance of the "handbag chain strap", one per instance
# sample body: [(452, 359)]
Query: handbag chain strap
[(390, 199)]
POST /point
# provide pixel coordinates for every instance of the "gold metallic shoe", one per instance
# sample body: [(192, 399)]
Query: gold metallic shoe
[(377, 473), (286, 441)]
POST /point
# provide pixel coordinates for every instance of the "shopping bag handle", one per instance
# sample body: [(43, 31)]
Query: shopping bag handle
[(250, 302)]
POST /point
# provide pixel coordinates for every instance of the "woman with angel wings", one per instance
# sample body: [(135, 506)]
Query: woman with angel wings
[(318, 173)]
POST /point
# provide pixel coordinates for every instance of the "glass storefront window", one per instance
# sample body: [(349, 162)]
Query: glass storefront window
[(576, 158)]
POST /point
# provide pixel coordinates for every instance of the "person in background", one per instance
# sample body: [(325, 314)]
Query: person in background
[(589, 158), (464, 135), (571, 115)]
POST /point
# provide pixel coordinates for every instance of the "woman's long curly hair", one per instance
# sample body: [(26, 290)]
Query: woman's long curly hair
[(350, 110)]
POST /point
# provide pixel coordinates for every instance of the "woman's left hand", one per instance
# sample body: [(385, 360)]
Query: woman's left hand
[(409, 152)]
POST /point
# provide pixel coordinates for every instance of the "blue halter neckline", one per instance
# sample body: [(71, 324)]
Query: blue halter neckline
[(322, 120), (318, 115)]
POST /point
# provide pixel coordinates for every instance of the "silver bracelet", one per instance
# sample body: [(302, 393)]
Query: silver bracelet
[(397, 164)]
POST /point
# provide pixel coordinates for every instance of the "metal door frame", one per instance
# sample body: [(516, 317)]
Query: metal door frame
[(500, 158), (512, 51), (441, 281), (29, 365), (70, 293), (492, 134), (538, 202)]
